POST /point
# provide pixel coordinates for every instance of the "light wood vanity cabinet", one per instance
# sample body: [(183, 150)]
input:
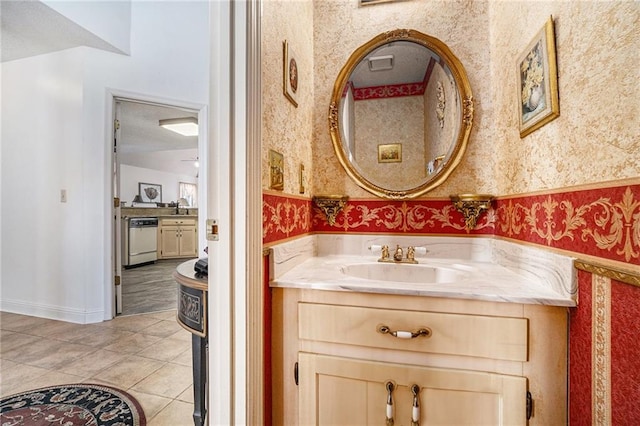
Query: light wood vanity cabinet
[(474, 364), (178, 238)]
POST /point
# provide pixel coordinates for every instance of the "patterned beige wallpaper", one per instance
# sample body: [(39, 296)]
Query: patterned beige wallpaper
[(341, 26), (595, 139), (285, 128), (597, 136), (391, 121)]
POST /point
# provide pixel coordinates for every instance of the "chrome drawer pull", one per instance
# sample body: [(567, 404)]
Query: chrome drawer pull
[(424, 331)]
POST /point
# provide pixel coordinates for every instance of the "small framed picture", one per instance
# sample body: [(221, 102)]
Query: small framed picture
[(538, 81), (276, 170), (291, 74), (150, 192), (390, 153)]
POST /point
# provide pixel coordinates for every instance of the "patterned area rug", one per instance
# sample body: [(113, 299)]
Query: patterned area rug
[(72, 405)]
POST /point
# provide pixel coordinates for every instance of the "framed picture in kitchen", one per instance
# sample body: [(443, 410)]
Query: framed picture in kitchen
[(150, 192), (538, 81)]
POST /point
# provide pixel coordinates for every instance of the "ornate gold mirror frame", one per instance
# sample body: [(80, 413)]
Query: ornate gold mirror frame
[(464, 121)]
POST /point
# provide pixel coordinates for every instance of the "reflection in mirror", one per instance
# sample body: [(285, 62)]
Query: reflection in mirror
[(401, 113)]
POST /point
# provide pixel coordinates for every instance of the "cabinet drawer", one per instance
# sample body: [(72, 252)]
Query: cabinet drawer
[(183, 222), (453, 334)]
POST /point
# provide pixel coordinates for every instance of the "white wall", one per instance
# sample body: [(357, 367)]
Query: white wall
[(130, 176), (56, 258), (109, 20)]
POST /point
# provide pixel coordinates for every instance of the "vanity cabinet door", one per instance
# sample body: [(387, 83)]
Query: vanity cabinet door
[(346, 391)]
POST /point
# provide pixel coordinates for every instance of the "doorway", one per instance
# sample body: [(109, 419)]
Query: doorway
[(156, 178)]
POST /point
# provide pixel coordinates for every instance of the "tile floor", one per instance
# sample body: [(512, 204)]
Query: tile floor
[(147, 355)]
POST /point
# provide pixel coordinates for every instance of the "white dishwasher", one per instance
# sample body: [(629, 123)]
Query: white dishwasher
[(142, 240)]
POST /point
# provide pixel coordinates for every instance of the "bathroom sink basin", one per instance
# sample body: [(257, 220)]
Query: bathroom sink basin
[(403, 272)]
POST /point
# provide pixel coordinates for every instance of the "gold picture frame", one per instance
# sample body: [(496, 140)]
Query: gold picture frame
[(290, 74), (390, 153), (276, 170), (538, 100)]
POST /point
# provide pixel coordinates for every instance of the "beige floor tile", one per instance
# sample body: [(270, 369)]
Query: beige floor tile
[(47, 353), (151, 404), (51, 378), (93, 363), (8, 318), (54, 327), (177, 413), (132, 322), (187, 395), (10, 340), (24, 323), (165, 349), (102, 337), (13, 375), (162, 328), (129, 371), (169, 381), (133, 344), (185, 358), (78, 333), (164, 315), (183, 335)]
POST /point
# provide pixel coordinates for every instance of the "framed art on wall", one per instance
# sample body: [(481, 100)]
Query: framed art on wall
[(150, 192), (290, 72), (538, 101), (390, 153)]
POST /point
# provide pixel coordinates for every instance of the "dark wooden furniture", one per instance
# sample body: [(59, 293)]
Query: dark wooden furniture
[(192, 315)]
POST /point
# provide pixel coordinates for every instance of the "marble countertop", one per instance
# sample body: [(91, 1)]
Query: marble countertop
[(476, 280), (479, 270)]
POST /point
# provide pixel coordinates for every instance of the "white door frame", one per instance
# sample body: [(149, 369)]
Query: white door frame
[(235, 200), (203, 137)]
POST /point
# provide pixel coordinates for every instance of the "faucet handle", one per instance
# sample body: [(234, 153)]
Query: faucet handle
[(385, 252), (411, 253)]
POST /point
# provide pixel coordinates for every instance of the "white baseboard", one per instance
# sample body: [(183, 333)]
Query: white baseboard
[(60, 313)]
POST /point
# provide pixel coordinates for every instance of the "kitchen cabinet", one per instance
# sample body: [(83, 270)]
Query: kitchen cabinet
[(178, 238), (455, 361)]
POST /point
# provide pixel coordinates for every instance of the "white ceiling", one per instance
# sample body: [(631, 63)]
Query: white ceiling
[(410, 61), (143, 143), (32, 28)]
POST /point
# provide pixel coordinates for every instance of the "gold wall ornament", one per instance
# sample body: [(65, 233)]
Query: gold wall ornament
[(467, 114), (333, 117), (331, 205), (471, 206)]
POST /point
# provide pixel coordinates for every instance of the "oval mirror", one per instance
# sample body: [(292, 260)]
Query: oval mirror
[(401, 113)]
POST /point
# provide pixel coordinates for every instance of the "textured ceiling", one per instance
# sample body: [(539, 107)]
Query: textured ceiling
[(410, 62), (143, 143)]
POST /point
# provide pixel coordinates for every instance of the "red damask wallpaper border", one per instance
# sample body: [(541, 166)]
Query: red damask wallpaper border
[(602, 222)]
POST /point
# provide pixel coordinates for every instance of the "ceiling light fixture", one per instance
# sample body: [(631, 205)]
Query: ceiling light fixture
[(187, 126), (381, 63)]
